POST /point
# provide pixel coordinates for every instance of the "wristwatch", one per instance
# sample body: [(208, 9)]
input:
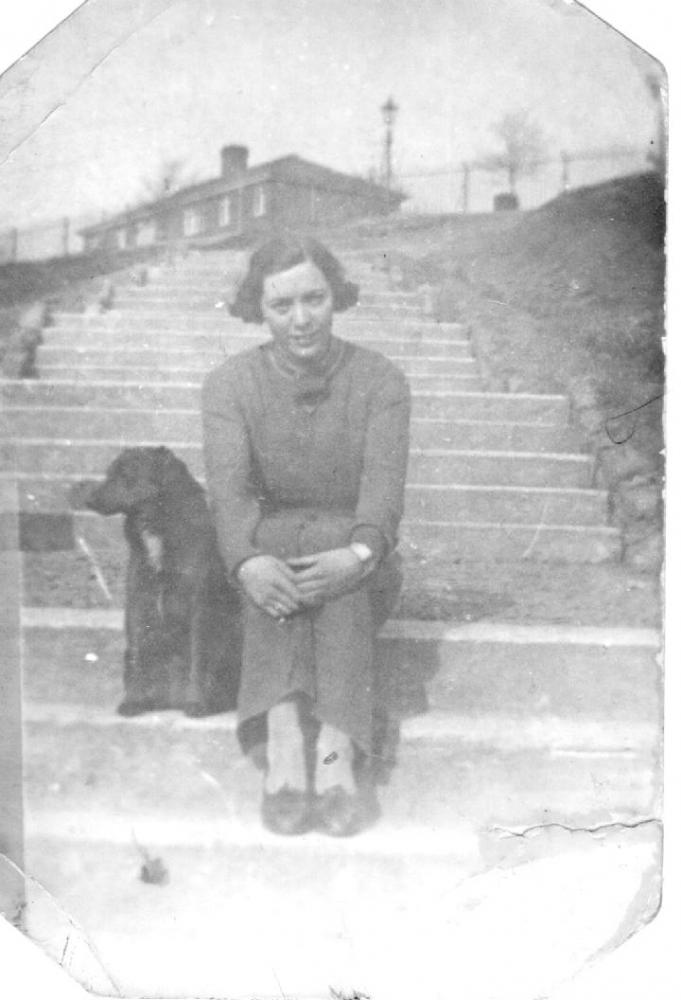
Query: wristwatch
[(362, 551)]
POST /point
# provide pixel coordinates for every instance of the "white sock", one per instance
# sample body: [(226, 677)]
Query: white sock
[(335, 755), (285, 749)]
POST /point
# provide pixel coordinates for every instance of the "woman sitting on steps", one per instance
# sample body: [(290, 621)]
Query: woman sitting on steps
[(306, 446)]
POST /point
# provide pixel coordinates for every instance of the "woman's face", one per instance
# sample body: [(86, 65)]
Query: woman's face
[(297, 306)]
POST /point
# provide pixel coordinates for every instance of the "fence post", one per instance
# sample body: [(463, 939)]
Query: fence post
[(65, 236), (565, 173), (13, 244), (466, 187), (12, 896)]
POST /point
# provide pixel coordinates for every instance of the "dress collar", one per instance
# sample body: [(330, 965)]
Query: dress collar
[(311, 384)]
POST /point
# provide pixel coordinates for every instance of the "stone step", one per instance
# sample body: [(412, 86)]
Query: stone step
[(430, 548), (226, 343), (84, 757), (434, 466), (527, 506), (518, 505), (462, 380), (178, 282), (435, 405), (206, 292), (236, 894), (219, 319), (183, 427), (530, 672), (73, 359), (149, 300), (434, 543)]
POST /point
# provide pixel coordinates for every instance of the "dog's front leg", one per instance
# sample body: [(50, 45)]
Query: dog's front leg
[(176, 624), (198, 695), (145, 683)]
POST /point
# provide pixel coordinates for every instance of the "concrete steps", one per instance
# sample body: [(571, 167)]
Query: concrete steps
[(161, 768), (434, 466), (182, 395), (218, 318), (188, 293), (219, 340), (525, 722), (490, 473), (534, 507), (464, 381), (159, 303), (330, 915), (76, 361), (475, 670), (180, 428)]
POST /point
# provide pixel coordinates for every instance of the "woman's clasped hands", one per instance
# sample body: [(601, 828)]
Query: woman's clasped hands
[(282, 587)]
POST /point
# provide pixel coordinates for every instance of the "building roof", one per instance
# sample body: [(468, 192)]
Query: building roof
[(291, 169)]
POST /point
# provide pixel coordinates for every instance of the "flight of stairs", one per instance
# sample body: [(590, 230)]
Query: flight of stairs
[(493, 478)]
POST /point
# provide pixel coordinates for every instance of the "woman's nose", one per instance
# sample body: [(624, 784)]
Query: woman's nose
[(301, 314)]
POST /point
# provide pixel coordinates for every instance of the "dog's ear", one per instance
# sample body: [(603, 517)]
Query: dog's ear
[(164, 462), (171, 470)]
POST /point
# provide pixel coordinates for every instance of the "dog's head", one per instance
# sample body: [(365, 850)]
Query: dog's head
[(135, 480)]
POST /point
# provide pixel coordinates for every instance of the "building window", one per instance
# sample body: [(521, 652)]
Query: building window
[(225, 211), (259, 201), (145, 233), (192, 222)]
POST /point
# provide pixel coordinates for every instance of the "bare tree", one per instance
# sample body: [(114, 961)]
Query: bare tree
[(170, 177), (523, 147)]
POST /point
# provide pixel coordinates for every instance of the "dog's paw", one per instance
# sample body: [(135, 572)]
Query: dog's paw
[(132, 708), (198, 709)]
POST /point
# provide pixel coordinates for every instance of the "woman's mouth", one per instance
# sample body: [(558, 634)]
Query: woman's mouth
[(304, 342)]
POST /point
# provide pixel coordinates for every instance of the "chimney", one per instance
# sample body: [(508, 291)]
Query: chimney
[(234, 160)]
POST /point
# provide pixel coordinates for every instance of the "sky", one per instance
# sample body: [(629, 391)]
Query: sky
[(308, 77)]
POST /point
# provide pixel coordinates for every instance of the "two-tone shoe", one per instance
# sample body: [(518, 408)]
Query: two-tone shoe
[(287, 812), (339, 813)]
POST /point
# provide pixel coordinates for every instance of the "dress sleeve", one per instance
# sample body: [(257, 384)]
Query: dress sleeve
[(227, 457), (384, 468)]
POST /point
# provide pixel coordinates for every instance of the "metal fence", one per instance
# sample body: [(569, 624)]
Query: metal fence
[(463, 187), (469, 187), (41, 242)]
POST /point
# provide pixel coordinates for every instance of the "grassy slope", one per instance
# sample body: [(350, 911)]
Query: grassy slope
[(567, 297), (69, 283)]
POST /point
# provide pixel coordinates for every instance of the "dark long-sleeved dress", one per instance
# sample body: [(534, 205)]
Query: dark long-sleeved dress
[(296, 465)]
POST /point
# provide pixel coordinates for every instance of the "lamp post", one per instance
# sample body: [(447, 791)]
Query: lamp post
[(389, 110)]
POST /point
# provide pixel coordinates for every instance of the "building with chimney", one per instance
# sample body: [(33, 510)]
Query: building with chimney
[(245, 201)]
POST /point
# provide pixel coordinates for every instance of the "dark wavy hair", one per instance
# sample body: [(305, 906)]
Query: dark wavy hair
[(280, 254)]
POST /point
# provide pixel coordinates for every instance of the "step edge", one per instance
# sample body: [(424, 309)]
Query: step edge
[(461, 840), (574, 457), (460, 487), (489, 632), (440, 358), (444, 394), (437, 726), (56, 477)]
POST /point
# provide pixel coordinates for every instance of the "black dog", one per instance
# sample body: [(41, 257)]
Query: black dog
[(182, 618)]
